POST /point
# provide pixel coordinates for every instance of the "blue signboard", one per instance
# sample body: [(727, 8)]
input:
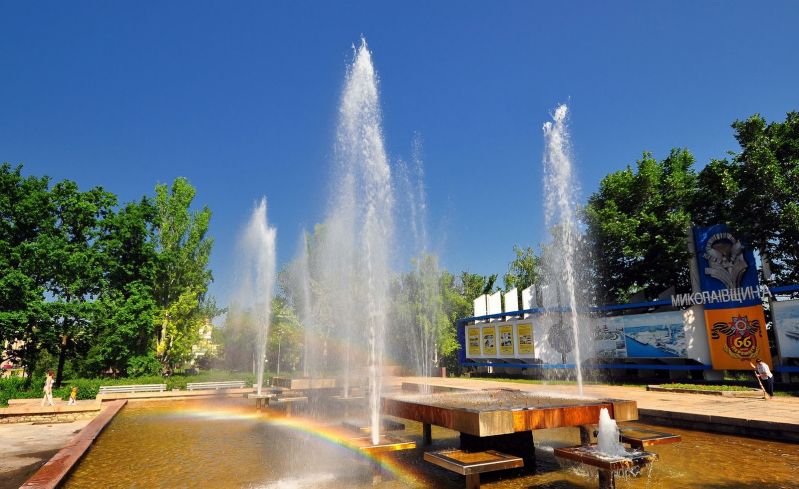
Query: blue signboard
[(727, 269)]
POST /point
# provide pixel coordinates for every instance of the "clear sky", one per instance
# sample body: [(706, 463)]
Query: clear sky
[(241, 98)]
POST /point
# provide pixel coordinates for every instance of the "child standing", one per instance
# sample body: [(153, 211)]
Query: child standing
[(73, 397)]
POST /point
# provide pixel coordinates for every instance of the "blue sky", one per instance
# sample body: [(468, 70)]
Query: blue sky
[(241, 98)]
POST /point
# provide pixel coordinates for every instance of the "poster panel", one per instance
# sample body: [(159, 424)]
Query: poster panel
[(505, 340), (736, 337), (655, 335), (472, 341), (786, 327), (608, 334), (524, 332), (488, 334)]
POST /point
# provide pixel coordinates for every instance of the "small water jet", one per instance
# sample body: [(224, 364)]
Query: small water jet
[(607, 439)]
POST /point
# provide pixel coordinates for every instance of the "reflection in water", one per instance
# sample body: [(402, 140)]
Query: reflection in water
[(224, 444)]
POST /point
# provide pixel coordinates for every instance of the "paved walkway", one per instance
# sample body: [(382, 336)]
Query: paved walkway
[(27, 446), (777, 418)]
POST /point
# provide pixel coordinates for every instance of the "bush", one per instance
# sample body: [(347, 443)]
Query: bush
[(14, 388), (88, 388), (143, 365), (11, 389)]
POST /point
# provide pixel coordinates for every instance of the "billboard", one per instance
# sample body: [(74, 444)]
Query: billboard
[(508, 340), (737, 336), (655, 335), (786, 327)]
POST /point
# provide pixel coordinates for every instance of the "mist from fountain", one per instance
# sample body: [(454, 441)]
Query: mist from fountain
[(257, 278), (561, 256), (424, 327), (301, 284)]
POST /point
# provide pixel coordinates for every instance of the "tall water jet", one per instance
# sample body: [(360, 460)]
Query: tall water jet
[(368, 212), (561, 257), (257, 257)]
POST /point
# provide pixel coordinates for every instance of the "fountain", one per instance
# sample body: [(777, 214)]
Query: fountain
[(257, 246), (561, 257), (609, 455), (341, 279), (607, 440), (344, 277)]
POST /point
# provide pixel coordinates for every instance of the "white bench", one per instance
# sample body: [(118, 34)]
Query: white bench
[(121, 389), (228, 384)]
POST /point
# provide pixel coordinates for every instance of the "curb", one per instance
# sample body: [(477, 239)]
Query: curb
[(751, 394), (55, 470)]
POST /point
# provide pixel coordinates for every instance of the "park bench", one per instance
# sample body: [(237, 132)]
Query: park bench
[(472, 464), (121, 389), (228, 384)]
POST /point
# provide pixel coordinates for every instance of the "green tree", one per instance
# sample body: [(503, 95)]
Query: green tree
[(26, 221), (182, 275), (238, 338), (523, 270), (422, 329), (766, 203), (75, 263), (123, 328), (285, 343), (636, 226)]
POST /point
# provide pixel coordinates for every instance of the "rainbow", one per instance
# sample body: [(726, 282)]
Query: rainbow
[(333, 436)]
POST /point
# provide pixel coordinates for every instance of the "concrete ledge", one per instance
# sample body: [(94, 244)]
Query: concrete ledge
[(33, 412), (771, 430), (56, 469), (752, 393)]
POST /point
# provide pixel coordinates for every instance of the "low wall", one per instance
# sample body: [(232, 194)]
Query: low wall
[(34, 412)]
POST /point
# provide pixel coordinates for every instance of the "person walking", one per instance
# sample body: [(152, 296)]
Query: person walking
[(764, 374), (48, 389)]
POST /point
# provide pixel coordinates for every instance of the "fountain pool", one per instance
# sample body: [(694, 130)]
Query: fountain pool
[(225, 444)]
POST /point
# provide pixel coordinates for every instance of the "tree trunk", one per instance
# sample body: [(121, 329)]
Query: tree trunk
[(62, 357)]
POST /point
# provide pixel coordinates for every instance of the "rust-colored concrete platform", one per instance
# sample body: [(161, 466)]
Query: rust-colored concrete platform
[(776, 419), (500, 411)]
